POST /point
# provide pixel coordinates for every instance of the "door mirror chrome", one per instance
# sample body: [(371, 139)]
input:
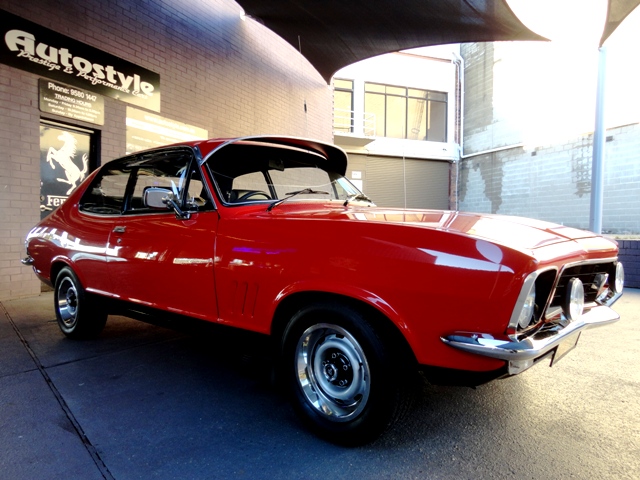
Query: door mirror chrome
[(154, 197), (159, 198)]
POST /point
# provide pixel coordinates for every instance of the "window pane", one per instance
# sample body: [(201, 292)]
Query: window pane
[(437, 122), (373, 87), (442, 97), (396, 117), (342, 111), (374, 106), (396, 90), (417, 119), (415, 93), (168, 172), (343, 84), (106, 194), (251, 181), (294, 179)]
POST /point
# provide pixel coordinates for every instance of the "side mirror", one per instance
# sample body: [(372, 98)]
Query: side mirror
[(154, 197), (159, 198)]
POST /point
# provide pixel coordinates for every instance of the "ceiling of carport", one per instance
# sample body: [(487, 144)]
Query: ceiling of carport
[(332, 33)]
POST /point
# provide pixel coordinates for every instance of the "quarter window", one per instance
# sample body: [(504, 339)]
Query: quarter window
[(105, 195)]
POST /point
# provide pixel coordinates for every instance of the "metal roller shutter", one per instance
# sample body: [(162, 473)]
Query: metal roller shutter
[(410, 183)]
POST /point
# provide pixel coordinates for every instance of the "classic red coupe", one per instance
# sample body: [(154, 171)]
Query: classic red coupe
[(266, 234)]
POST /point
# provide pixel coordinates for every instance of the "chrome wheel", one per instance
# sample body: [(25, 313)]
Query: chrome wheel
[(67, 296), (332, 372), (79, 315)]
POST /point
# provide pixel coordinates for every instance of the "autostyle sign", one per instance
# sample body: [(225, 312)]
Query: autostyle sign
[(38, 50)]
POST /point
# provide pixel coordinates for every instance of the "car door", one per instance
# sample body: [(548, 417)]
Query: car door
[(164, 261), (99, 208)]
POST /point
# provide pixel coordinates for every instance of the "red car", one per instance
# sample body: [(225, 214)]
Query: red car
[(266, 234)]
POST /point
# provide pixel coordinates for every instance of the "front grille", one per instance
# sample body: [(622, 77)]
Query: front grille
[(588, 274)]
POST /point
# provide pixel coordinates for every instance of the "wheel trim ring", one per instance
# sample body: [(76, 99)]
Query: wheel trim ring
[(311, 379), (67, 298)]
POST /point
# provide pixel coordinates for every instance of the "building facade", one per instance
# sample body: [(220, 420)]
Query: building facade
[(192, 68), (397, 116)]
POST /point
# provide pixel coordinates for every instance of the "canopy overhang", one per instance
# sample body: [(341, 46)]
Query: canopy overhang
[(332, 34)]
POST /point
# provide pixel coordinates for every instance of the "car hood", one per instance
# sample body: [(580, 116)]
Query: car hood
[(515, 232)]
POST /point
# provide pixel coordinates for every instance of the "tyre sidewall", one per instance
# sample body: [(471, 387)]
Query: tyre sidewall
[(88, 322), (378, 414)]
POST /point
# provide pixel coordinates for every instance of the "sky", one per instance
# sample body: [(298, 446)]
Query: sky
[(575, 28)]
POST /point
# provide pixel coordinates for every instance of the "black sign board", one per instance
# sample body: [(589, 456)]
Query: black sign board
[(71, 102), (36, 49)]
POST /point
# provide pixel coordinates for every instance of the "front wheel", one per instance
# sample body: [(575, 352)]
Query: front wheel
[(78, 316), (345, 382)]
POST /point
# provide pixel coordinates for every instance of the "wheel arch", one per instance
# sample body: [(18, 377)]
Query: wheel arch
[(57, 265), (378, 319)]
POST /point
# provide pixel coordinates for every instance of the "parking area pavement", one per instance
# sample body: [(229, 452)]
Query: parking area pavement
[(144, 401)]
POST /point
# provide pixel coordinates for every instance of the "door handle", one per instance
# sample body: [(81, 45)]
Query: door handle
[(120, 229)]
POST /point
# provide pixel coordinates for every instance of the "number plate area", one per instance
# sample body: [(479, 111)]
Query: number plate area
[(565, 347)]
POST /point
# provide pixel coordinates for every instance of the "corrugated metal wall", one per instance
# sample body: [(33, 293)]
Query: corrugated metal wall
[(398, 182)]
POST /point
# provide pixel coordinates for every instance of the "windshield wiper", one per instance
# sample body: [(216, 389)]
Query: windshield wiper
[(305, 191), (357, 196)]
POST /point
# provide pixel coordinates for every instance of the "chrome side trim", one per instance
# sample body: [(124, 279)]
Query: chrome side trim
[(522, 354)]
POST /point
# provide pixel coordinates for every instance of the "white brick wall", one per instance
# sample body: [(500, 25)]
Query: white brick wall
[(555, 184)]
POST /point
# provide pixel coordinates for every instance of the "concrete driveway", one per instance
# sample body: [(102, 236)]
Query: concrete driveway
[(147, 402)]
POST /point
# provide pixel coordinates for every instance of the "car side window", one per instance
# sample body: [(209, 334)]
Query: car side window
[(105, 195), (177, 173)]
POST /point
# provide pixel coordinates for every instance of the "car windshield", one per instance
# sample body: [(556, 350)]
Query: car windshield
[(263, 174)]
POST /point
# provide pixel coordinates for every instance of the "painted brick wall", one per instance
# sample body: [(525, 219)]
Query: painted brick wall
[(554, 182), (230, 76), (630, 258)]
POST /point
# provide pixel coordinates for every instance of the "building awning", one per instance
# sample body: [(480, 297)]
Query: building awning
[(332, 34)]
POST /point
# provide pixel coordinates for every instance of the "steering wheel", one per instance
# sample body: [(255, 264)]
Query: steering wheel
[(253, 193)]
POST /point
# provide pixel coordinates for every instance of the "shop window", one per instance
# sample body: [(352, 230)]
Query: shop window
[(67, 156)]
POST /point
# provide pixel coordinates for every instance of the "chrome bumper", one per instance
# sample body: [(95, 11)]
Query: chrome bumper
[(523, 354), (27, 261)]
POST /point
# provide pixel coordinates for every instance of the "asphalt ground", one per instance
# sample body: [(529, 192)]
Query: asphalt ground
[(144, 402)]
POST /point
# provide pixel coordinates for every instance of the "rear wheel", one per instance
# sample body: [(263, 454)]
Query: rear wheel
[(78, 315), (346, 382)]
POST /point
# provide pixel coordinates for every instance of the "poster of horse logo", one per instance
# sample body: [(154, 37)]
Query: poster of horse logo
[(64, 164)]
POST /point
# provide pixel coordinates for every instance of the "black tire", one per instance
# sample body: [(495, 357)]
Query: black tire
[(348, 381), (79, 316)]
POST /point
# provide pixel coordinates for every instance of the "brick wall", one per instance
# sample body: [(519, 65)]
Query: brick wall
[(553, 182), (219, 72), (630, 258)]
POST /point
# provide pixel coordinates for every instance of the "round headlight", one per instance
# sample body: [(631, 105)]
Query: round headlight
[(618, 285), (528, 308), (574, 299)]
